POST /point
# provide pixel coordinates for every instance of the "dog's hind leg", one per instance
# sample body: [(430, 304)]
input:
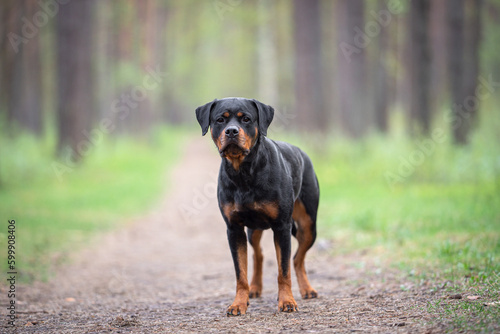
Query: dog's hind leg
[(283, 244), (254, 237), (306, 234)]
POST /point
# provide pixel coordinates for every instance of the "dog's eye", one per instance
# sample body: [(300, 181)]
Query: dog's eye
[(246, 119), (220, 120)]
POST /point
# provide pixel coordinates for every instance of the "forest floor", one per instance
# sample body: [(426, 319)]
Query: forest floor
[(171, 271)]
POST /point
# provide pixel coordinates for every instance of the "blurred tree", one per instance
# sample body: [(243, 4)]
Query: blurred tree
[(473, 24), (74, 73), (355, 107), (162, 16), (455, 32), (11, 17), (106, 50), (21, 71), (491, 38), (267, 87), (420, 66), (381, 78), (278, 51), (437, 35), (146, 40), (284, 46), (309, 101), (464, 35)]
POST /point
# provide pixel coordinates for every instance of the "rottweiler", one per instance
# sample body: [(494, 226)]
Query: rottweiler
[(263, 184)]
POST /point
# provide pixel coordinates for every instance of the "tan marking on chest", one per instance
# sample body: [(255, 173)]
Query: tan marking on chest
[(228, 209), (270, 209), (236, 160)]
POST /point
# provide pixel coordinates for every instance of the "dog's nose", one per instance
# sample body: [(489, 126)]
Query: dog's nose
[(232, 131)]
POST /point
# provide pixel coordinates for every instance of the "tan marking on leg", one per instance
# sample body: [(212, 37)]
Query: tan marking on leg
[(240, 303), (256, 284), (286, 302), (305, 239)]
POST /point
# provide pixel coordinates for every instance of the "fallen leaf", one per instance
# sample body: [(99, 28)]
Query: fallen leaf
[(473, 297), (497, 303)]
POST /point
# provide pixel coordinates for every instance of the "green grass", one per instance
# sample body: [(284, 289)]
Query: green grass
[(439, 221), (117, 180)]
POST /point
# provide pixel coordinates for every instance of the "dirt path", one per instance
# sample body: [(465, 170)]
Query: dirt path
[(166, 273)]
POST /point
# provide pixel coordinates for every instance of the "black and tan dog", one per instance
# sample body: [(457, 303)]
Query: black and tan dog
[(262, 184)]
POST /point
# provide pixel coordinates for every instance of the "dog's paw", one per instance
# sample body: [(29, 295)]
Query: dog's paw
[(288, 306), (309, 294), (255, 291), (237, 309)]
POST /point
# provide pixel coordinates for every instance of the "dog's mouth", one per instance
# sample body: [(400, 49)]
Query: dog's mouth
[(232, 149)]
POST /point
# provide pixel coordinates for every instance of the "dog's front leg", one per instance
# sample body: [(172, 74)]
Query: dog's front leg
[(238, 245), (282, 243)]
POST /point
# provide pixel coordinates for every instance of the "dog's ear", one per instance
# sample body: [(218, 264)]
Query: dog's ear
[(266, 114), (203, 116)]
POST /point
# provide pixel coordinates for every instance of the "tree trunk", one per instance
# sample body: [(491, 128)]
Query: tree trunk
[(168, 108), (11, 16), (309, 103), (455, 22), (104, 60), (439, 72), (161, 104), (380, 84), (125, 59), (355, 112), (74, 65), (469, 101), (142, 118), (420, 112), (21, 67), (267, 87)]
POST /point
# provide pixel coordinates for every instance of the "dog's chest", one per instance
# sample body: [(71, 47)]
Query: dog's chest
[(251, 214)]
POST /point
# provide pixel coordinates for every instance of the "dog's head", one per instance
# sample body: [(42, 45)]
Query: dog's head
[(235, 124)]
